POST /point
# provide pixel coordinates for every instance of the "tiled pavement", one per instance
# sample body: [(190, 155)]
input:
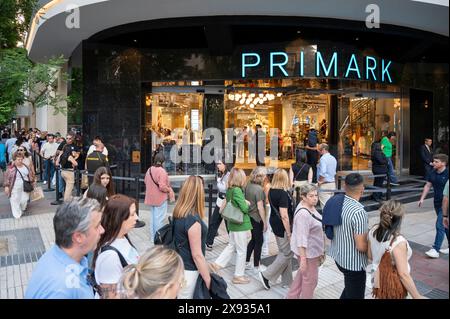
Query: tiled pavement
[(23, 241)]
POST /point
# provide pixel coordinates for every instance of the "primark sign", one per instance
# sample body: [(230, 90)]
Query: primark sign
[(313, 63)]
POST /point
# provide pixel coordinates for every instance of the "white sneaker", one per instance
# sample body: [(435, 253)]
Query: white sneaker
[(44, 182), (444, 251), (248, 266), (432, 253)]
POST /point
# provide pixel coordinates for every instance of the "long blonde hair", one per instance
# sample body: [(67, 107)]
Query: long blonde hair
[(280, 180), (191, 199), (158, 267), (237, 178)]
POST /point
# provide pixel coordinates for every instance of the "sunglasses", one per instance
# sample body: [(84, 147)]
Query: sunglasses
[(21, 150)]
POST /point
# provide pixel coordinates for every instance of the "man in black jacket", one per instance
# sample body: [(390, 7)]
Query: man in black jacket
[(426, 154)]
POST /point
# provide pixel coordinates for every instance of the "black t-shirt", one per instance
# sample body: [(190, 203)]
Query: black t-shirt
[(95, 160), (67, 150), (301, 171), (181, 228), (438, 181), (279, 198)]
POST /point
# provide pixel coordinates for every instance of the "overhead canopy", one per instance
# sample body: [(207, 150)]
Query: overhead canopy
[(49, 36)]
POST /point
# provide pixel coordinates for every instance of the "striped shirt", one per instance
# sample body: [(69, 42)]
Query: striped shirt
[(343, 246)]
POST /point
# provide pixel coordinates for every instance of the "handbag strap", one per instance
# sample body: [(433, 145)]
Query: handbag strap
[(312, 215), (298, 173), (150, 172), (20, 173)]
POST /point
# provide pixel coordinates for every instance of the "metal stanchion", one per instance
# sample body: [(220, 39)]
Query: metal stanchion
[(40, 167), (77, 181), (339, 182), (210, 198), (58, 200), (388, 187), (138, 193), (123, 175)]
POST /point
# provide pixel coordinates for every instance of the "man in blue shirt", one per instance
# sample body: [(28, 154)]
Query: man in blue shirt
[(326, 172), (61, 273), (437, 178)]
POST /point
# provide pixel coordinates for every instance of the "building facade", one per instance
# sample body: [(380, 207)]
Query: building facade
[(161, 76)]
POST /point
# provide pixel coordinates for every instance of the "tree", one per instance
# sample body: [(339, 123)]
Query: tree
[(22, 81), (75, 98), (15, 18)]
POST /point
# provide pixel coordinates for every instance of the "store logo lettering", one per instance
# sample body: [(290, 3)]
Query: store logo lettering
[(324, 67)]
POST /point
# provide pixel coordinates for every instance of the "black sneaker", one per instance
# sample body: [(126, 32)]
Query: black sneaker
[(264, 281), (209, 247), (139, 224)]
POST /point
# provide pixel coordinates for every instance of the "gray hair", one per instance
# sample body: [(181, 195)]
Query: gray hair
[(73, 216), (307, 188), (324, 146), (258, 175)]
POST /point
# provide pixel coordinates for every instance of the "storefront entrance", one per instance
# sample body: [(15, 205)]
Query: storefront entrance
[(176, 114)]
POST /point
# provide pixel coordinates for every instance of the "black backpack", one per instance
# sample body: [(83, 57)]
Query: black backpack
[(166, 236)]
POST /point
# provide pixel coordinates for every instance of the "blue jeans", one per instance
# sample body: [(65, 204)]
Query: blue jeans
[(49, 170), (158, 214), (441, 231), (391, 171), (62, 183)]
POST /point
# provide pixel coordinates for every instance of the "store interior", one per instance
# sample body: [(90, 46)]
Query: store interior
[(285, 113)]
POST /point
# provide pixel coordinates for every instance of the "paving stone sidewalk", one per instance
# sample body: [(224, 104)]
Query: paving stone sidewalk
[(23, 241)]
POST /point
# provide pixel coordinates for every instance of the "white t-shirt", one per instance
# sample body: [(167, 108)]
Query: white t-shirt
[(108, 269), (49, 149), (92, 149)]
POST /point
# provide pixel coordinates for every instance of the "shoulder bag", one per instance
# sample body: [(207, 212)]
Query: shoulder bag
[(232, 214), (27, 186)]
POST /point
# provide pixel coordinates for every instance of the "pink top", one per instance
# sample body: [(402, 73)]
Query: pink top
[(307, 232), (154, 195)]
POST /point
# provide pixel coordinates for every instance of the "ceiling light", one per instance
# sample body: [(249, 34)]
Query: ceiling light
[(261, 101), (264, 98), (248, 101), (231, 97), (256, 100), (279, 94), (242, 101), (244, 94), (252, 95), (261, 95), (252, 106), (237, 97)]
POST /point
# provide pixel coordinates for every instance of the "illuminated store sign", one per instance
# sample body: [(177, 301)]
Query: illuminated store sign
[(281, 64)]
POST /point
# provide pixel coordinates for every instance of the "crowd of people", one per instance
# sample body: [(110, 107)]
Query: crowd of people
[(93, 256)]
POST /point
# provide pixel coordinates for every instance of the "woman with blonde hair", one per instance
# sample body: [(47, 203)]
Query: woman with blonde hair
[(190, 234), (254, 193), (281, 215), (385, 236), (159, 274), (307, 243), (238, 232)]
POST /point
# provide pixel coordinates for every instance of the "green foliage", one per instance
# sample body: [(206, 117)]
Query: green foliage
[(15, 18), (75, 98), (22, 81)]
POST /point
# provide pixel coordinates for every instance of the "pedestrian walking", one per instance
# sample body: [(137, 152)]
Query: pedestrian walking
[(254, 193), (326, 174), (69, 154), (190, 234), (379, 167), (281, 216), (386, 236), (61, 273), (426, 155), (157, 193), (159, 274), (387, 147), (437, 179), (17, 176), (238, 236), (48, 153), (349, 244), (114, 250), (312, 153), (307, 244), (216, 218), (300, 172)]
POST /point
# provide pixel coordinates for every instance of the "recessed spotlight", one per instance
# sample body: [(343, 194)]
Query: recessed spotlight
[(135, 41)]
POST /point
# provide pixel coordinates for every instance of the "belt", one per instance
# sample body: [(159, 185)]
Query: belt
[(328, 182)]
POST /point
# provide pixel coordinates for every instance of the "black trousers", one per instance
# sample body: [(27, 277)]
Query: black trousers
[(256, 243), (311, 159), (355, 283), (378, 182), (214, 225)]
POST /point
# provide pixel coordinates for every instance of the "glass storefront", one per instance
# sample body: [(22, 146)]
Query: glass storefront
[(285, 110)]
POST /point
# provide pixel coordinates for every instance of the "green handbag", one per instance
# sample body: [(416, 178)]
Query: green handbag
[(232, 214)]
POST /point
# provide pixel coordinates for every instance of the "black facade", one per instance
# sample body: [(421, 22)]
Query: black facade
[(120, 64)]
